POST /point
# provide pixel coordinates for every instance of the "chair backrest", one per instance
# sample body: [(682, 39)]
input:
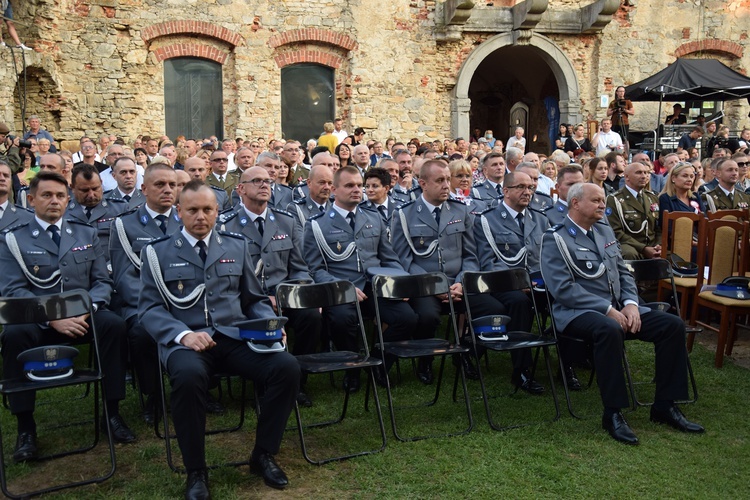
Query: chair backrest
[(725, 251), (412, 286), (496, 281), (678, 229), (314, 295), (44, 308), (737, 214)]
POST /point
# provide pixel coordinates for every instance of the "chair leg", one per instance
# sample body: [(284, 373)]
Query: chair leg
[(733, 335), (721, 340)]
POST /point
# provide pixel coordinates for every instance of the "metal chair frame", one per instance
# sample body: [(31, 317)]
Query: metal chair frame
[(323, 295), (660, 270), (417, 286), (476, 283), (42, 309)]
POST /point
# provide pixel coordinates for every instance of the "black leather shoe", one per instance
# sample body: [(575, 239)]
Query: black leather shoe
[(304, 400), (469, 370), (197, 485), (213, 406), (149, 410), (572, 379), (263, 464), (25, 447), (526, 383), (424, 371), (673, 417), (619, 429), (121, 433), (351, 382)]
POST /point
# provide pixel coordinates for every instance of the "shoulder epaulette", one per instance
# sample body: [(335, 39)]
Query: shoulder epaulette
[(114, 201), (316, 216), (227, 215), (108, 191), (13, 228), (280, 185), (280, 211), (406, 204), (482, 212), (554, 228), (79, 222), (160, 238), (478, 184), (369, 208), (301, 183), (300, 201), (127, 212), (456, 201), (540, 211), (216, 188), (233, 235)]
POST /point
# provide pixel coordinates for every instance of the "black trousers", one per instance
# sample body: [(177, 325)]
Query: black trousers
[(306, 325), (190, 372), (111, 335), (665, 331), (143, 355), (344, 324), (518, 306)]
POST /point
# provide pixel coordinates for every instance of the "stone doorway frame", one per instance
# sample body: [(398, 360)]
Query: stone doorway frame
[(559, 63)]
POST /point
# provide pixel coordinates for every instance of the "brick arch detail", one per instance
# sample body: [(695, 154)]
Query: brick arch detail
[(190, 50), (724, 46), (313, 35), (306, 55), (191, 28)]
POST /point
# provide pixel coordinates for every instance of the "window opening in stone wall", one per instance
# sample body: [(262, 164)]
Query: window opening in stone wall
[(307, 100), (193, 98)]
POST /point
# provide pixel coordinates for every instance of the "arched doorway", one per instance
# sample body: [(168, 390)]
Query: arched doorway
[(500, 76)]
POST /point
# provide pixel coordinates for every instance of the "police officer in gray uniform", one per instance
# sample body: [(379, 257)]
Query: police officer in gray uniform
[(540, 202), (595, 298), (49, 255), (566, 177), (196, 285), (377, 183), (491, 190), (434, 234), (342, 244), (281, 195), (125, 173), (130, 232), (509, 236), (10, 215), (89, 206), (275, 241), (319, 184)]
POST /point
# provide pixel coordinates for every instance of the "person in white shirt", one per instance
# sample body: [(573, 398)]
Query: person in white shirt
[(338, 130), (517, 141), (606, 140)]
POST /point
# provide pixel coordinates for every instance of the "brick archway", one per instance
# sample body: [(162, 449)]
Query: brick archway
[(192, 28), (186, 38), (190, 50), (308, 55), (313, 35), (722, 46)]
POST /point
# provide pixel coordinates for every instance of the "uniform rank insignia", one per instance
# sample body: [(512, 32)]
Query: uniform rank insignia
[(227, 261)]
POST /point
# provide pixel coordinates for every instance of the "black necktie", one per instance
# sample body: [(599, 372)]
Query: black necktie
[(731, 197), (383, 213), (259, 224), (499, 189), (126, 198), (54, 231), (590, 234), (436, 213), (322, 208), (88, 212), (350, 216), (161, 221), (519, 218), (201, 246)]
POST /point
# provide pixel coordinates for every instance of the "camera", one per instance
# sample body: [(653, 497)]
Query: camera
[(24, 144), (622, 103)]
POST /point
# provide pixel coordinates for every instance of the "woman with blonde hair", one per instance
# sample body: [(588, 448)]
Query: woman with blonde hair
[(678, 195), (461, 176)]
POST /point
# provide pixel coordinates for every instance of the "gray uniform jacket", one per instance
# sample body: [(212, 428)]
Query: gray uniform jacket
[(281, 196), (280, 247), (305, 208), (102, 216), (301, 191), (369, 236), (80, 260), (13, 216), (575, 295), (557, 214), (509, 240), (136, 199), (140, 229), (485, 192), (232, 291), (456, 249)]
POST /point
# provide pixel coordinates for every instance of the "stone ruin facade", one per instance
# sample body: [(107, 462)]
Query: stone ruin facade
[(403, 68)]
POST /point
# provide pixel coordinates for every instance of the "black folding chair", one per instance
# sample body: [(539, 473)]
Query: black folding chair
[(411, 287), (476, 283), (655, 270), (336, 293), (42, 309)]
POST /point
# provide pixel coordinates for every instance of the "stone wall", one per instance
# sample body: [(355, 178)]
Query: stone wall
[(98, 66)]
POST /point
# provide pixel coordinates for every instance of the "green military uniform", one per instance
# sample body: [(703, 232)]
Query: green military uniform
[(717, 199), (633, 221)]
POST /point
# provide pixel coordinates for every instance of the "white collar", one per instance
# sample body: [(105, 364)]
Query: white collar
[(192, 240)]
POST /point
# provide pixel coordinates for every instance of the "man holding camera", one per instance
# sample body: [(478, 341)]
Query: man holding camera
[(619, 111)]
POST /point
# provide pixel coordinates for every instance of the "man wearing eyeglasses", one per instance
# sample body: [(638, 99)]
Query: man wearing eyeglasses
[(219, 176), (291, 156), (90, 156), (510, 236), (275, 246)]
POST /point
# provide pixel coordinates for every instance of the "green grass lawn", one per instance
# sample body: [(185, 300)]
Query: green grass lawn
[(567, 458)]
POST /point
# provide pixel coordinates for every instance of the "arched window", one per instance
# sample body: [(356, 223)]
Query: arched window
[(193, 97), (307, 100)]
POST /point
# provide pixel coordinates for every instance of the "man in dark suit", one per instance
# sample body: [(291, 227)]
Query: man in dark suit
[(275, 241), (125, 173), (130, 233), (48, 255), (196, 284), (595, 298), (342, 244)]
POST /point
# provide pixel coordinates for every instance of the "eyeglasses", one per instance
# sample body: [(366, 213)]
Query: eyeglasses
[(224, 160), (462, 176), (521, 187), (258, 182), (742, 163)]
